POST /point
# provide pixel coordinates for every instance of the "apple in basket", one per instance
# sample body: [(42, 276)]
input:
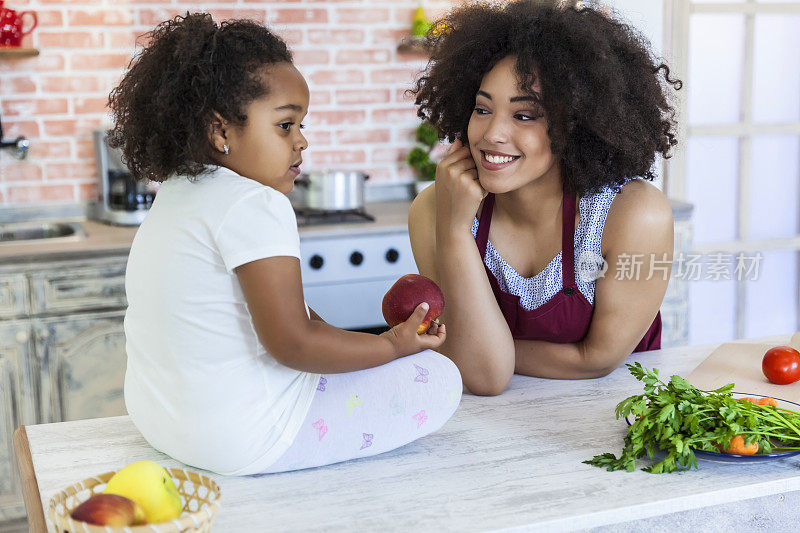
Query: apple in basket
[(109, 510), (406, 294), (149, 485)]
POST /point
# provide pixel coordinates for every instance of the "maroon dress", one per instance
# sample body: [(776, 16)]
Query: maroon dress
[(566, 316)]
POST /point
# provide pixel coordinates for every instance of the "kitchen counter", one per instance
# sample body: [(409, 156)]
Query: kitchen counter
[(99, 239), (506, 462), (105, 239)]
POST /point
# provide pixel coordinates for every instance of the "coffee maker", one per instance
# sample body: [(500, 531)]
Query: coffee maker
[(123, 200)]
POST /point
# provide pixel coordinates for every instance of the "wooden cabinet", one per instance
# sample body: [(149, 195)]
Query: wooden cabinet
[(19, 357), (13, 295), (62, 351), (83, 365), (17, 406), (78, 288)]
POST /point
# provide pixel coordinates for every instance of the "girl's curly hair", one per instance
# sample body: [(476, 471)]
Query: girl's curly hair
[(191, 68), (607, 108)]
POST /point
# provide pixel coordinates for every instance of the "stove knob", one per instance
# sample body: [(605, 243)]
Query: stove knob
[(392, 255), (316, 261), (356, 258)]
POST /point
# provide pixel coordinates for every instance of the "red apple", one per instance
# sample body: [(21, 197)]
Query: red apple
[(406, 294), (109, 510)]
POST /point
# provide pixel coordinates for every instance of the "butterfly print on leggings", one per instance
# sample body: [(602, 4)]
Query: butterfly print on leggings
[(367, 440), (320, 427), (422, 374), (351, 403)]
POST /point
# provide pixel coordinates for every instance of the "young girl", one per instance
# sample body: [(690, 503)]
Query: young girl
[(540, 211), (227, 368)]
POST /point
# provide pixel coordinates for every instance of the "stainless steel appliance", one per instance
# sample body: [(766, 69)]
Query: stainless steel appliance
[(122, 200), (331, 190)]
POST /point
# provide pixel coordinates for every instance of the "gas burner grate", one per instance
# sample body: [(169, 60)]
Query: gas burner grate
[(308, 217)]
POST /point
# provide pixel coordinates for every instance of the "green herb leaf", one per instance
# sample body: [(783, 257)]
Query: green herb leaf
[(677, 418)]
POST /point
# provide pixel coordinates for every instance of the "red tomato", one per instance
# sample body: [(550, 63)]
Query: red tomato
[(781, 365)]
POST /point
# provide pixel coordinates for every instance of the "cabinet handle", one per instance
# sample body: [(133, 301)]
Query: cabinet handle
[(22, 337)]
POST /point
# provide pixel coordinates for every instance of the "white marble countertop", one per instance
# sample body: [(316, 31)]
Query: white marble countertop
[(506, 462)]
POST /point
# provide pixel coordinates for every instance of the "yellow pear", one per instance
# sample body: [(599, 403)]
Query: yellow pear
[(149, 485)]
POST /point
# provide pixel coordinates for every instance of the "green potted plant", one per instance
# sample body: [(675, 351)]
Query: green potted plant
[(419, 158)]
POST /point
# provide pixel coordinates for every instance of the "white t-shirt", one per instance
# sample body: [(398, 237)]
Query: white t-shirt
[(199, 385)]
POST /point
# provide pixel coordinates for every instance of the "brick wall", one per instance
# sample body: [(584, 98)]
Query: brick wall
[(347, 49)]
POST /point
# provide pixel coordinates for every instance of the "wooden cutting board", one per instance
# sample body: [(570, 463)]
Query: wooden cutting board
[(741, 364)]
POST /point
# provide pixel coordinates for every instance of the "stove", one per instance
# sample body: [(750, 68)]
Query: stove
[(345, 275), (308, 217)]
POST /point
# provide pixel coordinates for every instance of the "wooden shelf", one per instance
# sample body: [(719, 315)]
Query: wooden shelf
[(413, 45), (13, 52)]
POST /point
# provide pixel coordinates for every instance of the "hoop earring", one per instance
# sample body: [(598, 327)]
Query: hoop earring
[(225, 149)]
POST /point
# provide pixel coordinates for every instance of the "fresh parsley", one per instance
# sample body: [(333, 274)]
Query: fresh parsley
[(677, 418)]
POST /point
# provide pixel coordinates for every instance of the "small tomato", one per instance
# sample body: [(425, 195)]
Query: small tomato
[(781, 365)]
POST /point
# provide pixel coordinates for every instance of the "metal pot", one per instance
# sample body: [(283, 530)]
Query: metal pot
[(332, 190)]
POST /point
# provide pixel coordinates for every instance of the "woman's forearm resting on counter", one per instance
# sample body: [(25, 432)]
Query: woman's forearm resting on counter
[(563, 361)]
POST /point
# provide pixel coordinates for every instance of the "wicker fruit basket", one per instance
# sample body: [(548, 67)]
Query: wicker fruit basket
[(200, 496)]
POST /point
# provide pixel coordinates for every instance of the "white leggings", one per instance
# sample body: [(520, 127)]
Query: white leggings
[(372, 411)]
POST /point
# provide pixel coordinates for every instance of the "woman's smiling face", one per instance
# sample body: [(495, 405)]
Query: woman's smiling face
[(508, 132)]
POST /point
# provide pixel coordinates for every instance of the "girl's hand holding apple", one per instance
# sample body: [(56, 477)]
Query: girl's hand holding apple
[(407, 341), (410, 306)]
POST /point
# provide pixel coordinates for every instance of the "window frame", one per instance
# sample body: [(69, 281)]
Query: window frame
[(677, 14)]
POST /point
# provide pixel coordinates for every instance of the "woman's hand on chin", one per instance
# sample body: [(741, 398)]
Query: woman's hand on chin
[(458, 191)]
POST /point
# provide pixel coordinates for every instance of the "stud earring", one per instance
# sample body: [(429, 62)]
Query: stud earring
[(225, 149)]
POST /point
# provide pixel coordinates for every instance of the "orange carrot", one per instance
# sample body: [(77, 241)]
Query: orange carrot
[(737, 446), (760, 401)]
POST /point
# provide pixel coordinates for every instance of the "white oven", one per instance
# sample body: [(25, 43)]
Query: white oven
[(346, 276)]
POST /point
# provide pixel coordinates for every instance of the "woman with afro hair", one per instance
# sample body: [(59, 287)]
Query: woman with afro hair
[(551, 247)]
